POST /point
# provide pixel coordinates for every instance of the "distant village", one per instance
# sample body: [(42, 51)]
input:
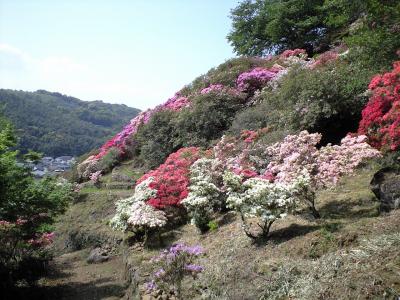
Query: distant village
[(49, 166)]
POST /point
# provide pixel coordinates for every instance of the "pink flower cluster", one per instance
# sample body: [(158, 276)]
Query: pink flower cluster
[(255, 79), (95, 177), (212, 88), (42, 240), (325, 58), (244, 155), (294, 52), (176, 103), (171, 179), (335, 161), (285, 161), (298, 153), (381, 116)]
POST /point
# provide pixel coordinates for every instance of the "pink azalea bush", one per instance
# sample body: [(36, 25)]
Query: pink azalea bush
[(297, 154), (294, 52), (212, 88), (255, 79), (326, 165), (95, 177), (119, 141)]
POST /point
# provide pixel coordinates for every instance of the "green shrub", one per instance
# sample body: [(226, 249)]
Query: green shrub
[(208, 118), (108, 161), (212, 225), (156, 140), (251, 118), (328, 100)]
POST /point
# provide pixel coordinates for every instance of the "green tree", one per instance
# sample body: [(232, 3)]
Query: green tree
[(270, 26), (27, 210)]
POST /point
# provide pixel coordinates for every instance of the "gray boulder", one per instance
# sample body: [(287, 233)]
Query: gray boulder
[(97, 255), (386, 186)]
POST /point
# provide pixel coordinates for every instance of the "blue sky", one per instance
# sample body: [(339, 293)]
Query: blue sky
[(134, 52)]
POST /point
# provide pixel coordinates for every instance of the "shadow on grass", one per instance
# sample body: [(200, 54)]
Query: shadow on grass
[(282, 235), (363, 208), (93, 290)]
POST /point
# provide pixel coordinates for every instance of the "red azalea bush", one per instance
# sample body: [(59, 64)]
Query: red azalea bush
[(381, 116), (171, 179)]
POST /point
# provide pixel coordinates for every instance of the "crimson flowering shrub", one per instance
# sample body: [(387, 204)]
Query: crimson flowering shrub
[(171, 179), (381, 116)]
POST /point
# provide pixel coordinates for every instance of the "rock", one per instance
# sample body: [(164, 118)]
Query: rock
[(386, 186), (117, 176), (97, 255)]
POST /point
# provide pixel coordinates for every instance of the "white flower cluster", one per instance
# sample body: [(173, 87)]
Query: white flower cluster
[(203, 193), (259, 198), (146, 216), (133, 211)]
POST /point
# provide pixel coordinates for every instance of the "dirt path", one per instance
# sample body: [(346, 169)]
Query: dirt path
[(71, 278)]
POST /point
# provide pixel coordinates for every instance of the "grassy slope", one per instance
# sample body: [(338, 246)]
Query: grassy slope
[(351, 253)]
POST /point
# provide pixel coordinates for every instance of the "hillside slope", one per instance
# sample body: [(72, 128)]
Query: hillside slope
[(351, 253), (56, 124)]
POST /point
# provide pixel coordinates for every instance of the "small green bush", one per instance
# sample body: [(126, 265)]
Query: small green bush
[(212, 225)]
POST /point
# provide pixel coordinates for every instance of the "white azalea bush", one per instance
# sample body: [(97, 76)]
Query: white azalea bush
[(134, 213), (204, 195), (267, 202)]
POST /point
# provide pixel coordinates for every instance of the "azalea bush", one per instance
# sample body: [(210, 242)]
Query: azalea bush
[(173, 265), (135, 215), (204, 195), (297, 154), (171, 179), (381, 116), (255, 79), (259, 198)]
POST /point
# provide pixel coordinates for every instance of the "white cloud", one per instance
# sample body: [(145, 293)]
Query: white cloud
[(20, 70)]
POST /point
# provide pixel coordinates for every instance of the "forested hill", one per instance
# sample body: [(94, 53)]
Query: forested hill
[(56, 124)]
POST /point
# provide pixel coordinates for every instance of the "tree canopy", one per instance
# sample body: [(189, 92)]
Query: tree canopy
[(262, 27)]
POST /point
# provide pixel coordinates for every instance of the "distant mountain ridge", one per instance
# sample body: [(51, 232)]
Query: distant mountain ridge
[(56, 124)]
